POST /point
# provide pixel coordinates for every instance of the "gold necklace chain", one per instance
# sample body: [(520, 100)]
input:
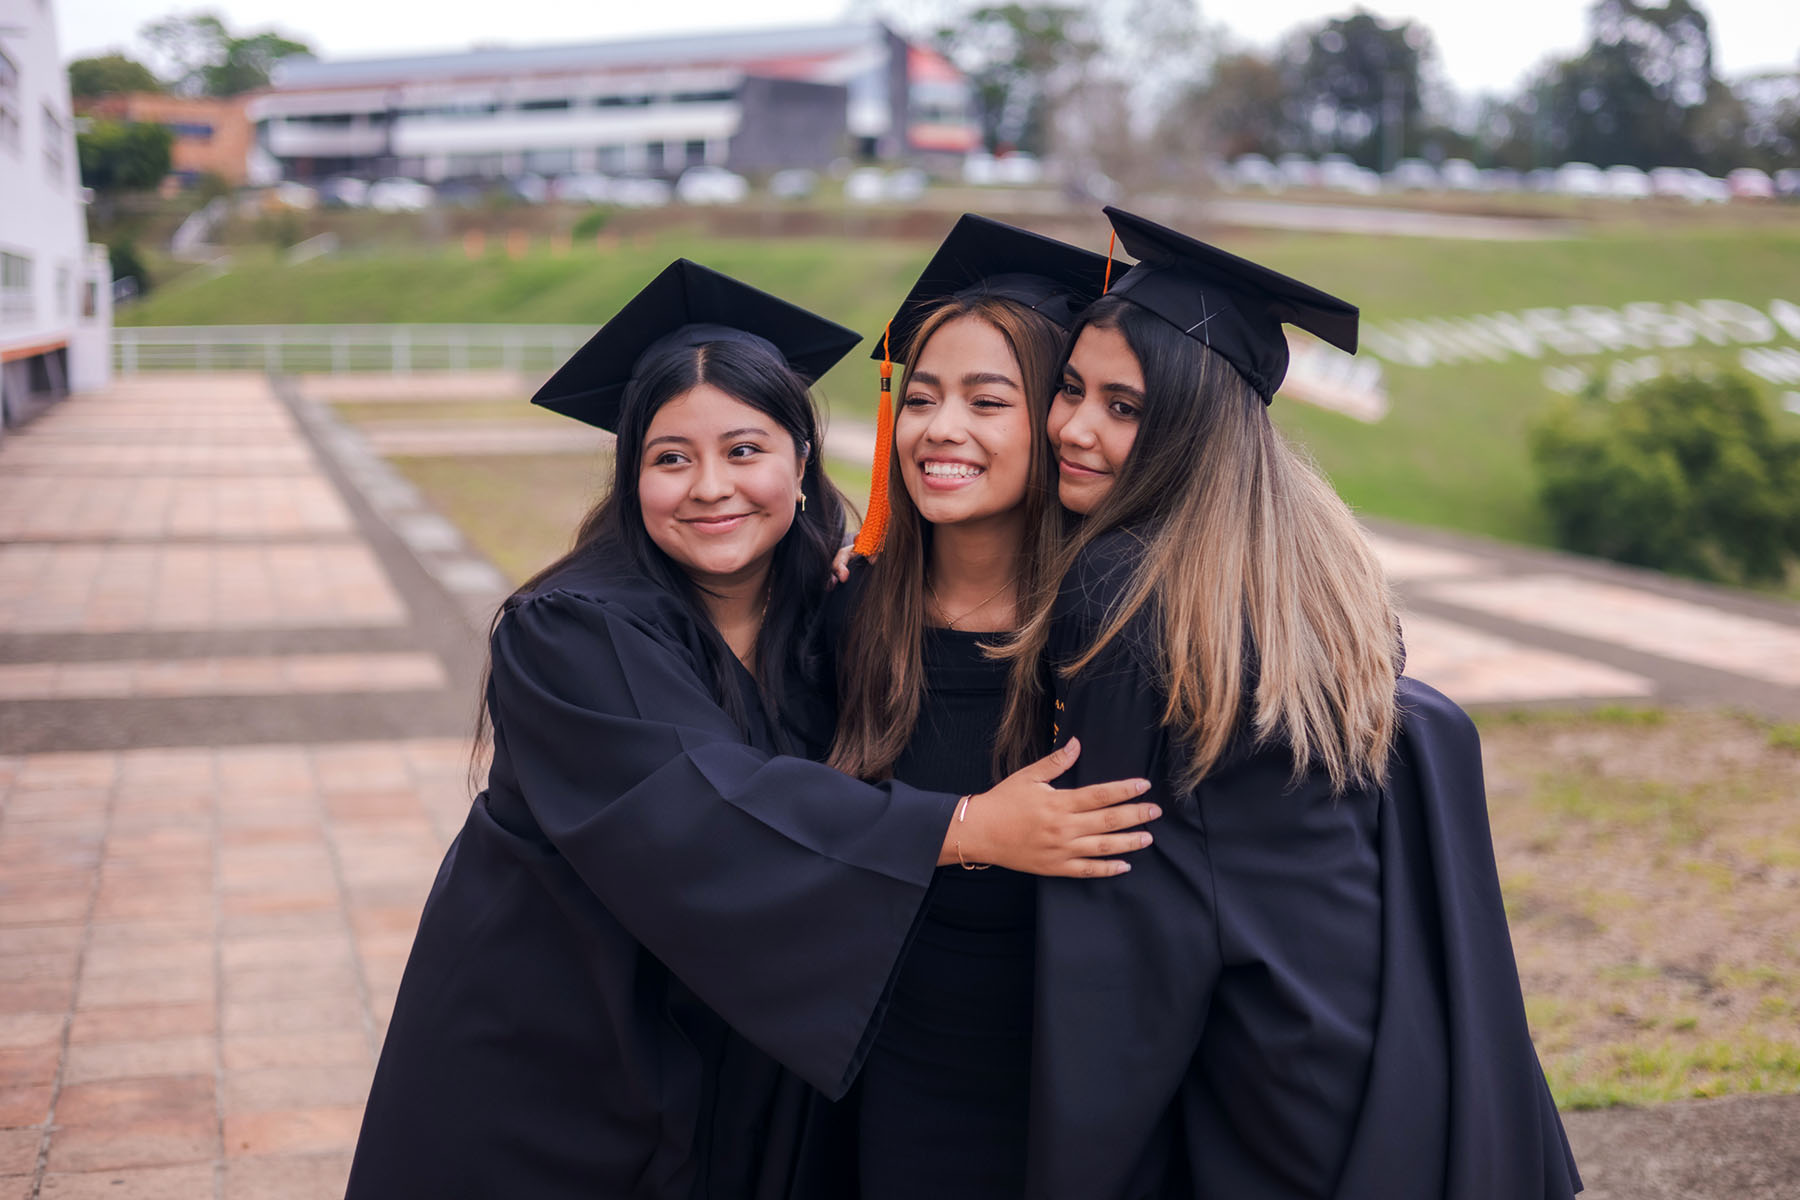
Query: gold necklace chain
[(950, 622)]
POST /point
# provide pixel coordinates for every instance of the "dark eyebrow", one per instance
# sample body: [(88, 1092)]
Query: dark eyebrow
[(979, 378), (667, 437), (972, 379), (1123, 389), (748, 429)]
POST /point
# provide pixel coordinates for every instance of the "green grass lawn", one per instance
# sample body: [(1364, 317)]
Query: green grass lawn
[(1452, 451)]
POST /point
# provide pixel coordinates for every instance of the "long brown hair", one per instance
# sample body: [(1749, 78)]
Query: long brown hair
[(881, 673), (1259, 579)]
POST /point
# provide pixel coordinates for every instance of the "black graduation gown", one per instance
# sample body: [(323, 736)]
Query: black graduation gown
[(639, 885), (1290, 994)]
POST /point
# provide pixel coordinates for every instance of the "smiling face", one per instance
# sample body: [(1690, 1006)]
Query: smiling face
[(717, 484), (963, 433), (1094, 417)]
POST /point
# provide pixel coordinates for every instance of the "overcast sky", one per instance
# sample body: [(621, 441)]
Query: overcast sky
[(1483, 47)]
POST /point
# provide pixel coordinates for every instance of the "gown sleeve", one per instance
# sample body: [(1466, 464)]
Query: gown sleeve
[(779, 890)]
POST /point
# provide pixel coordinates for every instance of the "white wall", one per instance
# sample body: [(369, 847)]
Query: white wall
[(43, 219)]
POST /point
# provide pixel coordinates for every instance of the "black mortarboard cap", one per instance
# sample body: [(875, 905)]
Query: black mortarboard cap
[(1232, 305), (689, 304), (982, 256)]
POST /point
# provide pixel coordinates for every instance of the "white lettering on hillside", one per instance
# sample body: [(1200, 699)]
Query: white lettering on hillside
[(1578, 331)]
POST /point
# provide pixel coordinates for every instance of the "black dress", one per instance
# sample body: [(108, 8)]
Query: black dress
[(647, 929), (942, 1099), (1292, 995)]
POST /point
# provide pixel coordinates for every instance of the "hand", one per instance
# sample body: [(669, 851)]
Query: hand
[(840, 568), (1024, 824)]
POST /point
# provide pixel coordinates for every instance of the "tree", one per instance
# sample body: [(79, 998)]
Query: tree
[(1022, 59), (109, 74), (1238, 110), (1357, 86), (123, 155), (207, 59), (1642, 93), (1687, 473)]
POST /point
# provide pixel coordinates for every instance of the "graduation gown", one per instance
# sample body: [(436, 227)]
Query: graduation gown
[(650, 930), (1291, 994)]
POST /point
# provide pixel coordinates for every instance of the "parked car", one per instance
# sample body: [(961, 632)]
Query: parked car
[(1297, 170), (634, 192), (1627, 182), (1580, 179), (1460, 175), (1414, 175), (527, 189), (711, 185), (1708, 189), (461, 193), (795, 183), (1787, 183), (1018, 169), (978, 169), (289, 194), (344, 192), (1339, 173), (904, 186), (1750, 183), (1501, 179), (400, 195), (863, 185), (1254, 170), (582, 188)]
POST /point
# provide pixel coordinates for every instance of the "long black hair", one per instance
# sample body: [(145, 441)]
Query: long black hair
[(750, 372)]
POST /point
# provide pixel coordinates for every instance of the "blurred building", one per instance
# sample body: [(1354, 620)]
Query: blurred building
[(55, 289), (212, 136), (750, 101)]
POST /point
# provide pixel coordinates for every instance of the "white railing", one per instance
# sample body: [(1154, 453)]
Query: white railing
[(311, 349)]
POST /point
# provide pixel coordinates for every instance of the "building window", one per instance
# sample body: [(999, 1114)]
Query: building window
[(16, 302), (55, 153), (615, 158), (702, 97), (476, 166), (549, 162), (543, 105), (654, 155), (634, 100), (191, 131), (694, 152), (63, 297)]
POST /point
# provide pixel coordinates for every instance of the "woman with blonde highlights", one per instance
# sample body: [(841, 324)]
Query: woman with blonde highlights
[(1308, 976)]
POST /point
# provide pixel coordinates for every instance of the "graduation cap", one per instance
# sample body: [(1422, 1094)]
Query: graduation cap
[(983, 257), (688, 305), (1233, 306), (980, 257)]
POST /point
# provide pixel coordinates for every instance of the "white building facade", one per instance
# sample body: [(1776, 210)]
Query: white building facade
[(756, 100), (55, 289)]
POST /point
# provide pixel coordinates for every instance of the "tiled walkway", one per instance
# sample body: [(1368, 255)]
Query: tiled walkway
[(234, 718), (200, 939)]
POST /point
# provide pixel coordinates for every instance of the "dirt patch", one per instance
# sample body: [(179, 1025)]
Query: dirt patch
[(1651, 866)]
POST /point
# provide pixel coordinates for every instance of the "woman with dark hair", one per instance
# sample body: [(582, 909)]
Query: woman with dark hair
[(653, 925), (972, 525), (1306, 988)]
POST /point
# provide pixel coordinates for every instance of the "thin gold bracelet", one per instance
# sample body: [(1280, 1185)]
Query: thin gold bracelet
[(962, 814)]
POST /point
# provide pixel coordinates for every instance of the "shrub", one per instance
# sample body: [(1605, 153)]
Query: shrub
[(589, 223), (1686, 473), (123, 257)]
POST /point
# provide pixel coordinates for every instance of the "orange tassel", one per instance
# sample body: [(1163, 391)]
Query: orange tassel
[(875, 521), (1106, 283)]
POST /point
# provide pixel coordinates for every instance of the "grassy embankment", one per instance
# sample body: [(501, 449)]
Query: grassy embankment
[(1452, 451)]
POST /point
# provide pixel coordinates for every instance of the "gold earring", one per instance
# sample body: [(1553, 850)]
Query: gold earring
[(802, 501)]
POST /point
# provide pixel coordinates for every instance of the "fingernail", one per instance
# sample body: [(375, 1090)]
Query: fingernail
[(1123, 867), (1144, 839), (1143, 785), (1155, 811)]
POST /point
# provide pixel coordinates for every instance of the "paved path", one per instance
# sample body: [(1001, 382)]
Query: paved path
[(237, 661)]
